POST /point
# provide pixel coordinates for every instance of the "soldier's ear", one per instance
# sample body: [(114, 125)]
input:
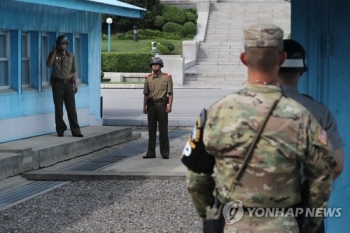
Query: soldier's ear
[(243, 58), (282, 58)]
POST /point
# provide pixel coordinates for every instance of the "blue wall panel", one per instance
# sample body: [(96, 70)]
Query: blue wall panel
[(325, 36), (94, 65), (338, 76)]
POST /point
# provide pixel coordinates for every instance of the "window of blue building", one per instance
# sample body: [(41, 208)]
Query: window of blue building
[(45, 72), (26, 69), (4, 59), (26, 59), (78, 57)]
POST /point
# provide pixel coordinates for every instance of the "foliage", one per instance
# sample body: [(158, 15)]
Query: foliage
[(154, 18), (192, 11), (124, 24), (174, 14), (158, 21), (190, 17), (172, 35), (163, 49), (172, 27), (189, 29), (147, 34), (125, 62), (167, 43)]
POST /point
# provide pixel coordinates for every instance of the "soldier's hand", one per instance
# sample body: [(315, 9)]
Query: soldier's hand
[(54, 48), (75, 87), (168, 109), (145, 111)]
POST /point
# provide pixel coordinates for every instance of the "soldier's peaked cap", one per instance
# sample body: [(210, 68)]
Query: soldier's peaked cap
[(295, 55), (263, 35)]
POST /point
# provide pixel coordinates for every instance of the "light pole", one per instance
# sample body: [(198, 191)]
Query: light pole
[(109, 21), (135, 33)]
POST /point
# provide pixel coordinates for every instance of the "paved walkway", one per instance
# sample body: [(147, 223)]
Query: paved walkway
[(109, 153)]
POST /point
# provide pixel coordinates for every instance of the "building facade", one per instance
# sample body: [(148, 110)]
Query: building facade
[(322, 27), (28, 31)]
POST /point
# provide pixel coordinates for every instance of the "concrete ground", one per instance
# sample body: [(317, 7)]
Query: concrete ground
[(131, 167), (48, 157)]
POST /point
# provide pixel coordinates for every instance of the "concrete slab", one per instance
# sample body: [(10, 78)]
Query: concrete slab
[(131, 168), (17, 157)]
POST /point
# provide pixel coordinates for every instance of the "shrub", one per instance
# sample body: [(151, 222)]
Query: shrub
[(172, 35), (193, 11), (172, 27), (125, 62), (149, 34), (189, 29), (158, 21), (167, 43), (123, 36), (191, 17), (163, 49), (174, 14)]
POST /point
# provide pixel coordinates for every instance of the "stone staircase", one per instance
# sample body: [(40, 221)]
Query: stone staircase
[(218, 63)]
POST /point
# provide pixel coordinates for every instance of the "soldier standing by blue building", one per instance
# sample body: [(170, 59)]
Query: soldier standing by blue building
[(157, 103), (253, 142), (64, 86)]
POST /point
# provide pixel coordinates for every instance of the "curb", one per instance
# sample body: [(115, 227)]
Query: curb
[(100, 175)]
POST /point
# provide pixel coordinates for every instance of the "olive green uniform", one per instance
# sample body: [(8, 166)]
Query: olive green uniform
[(62, 89), (156, 88)]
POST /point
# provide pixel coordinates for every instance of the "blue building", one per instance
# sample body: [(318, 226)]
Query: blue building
[(28, 30), (323, 28)]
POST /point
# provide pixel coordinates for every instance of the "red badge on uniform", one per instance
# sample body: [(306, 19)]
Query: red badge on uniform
[(322, 136)]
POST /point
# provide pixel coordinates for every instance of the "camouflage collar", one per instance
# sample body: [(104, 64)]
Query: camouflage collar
[(261, 88)]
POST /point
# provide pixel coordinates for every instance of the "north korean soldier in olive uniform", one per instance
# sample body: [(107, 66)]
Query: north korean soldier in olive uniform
[(157, 103), (64, 86), (251, 144)]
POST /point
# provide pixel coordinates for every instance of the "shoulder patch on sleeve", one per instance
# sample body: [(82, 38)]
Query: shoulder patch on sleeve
[(148, 75), (322, 136), (167, 74)]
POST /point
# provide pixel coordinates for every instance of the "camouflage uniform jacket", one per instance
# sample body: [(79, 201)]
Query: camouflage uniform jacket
[(292, 136)]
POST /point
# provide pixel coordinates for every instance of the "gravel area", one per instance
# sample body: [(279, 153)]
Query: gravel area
[(135, 206)]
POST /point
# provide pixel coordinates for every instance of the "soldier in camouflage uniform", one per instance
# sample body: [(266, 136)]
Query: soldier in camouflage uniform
[(157, 103), (291, 137)]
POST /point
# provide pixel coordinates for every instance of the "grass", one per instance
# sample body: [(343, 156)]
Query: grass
[(130, 46)]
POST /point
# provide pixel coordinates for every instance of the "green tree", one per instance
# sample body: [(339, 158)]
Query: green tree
[(124, 24)]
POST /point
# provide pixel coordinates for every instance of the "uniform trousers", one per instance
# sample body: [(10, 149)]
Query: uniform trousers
[(263, 225), (64, 93), (157, 113)]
